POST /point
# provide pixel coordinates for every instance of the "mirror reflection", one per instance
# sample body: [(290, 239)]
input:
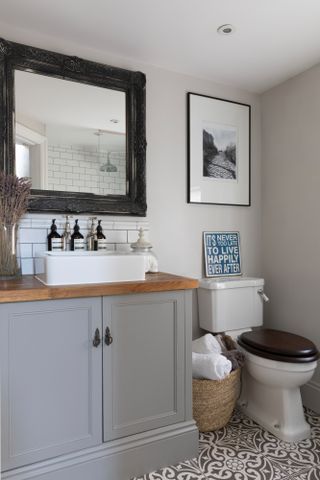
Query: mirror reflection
[(70, 136)]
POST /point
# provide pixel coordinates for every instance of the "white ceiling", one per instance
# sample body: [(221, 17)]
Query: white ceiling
[(69, 112), (274, 39), (52, 101)]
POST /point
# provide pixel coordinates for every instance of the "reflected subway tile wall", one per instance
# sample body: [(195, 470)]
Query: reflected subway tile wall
[(75, 168)]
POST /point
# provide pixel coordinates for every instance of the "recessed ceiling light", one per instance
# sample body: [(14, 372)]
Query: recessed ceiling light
[(226, 29)]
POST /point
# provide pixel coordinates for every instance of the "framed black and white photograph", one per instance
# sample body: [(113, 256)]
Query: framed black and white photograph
[(218, 151)]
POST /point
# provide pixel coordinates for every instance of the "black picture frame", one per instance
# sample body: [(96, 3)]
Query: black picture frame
[(15, 56), (218, 174)]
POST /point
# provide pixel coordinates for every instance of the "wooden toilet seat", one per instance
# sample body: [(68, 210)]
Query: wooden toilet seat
[(279, 345)]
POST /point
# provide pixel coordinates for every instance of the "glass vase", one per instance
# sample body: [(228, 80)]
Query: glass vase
[(9, 267)]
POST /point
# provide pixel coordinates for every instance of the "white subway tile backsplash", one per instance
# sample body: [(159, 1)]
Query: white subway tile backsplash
[(25, 222), (123, 247), (32, 235), (34, 229), (124, 225), (116, 236), (106, 224), (142, 224), (27, 267), (38, 265), (38, 249), (42, 220), (26, 250)]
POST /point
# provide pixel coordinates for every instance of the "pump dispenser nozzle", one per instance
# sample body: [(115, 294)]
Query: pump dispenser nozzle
[(101, 238), (54, 239), (77, 240)]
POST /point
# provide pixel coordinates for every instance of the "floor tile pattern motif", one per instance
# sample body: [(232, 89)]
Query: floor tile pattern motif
[(245, 451)]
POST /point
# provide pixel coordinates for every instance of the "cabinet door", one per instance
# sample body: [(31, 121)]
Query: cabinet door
[(51, 379), (144, 365)]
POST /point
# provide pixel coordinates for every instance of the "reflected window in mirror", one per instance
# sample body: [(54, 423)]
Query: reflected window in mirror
[(22, 160)]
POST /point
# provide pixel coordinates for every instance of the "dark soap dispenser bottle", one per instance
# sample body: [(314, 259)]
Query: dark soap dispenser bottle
[(77, 239), (54, 239), (101, 238)]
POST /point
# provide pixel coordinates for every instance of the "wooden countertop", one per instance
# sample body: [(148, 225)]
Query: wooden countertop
[(27, 288)]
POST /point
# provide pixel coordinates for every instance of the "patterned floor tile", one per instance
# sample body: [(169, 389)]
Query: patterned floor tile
[(245, 451), (188, 470)]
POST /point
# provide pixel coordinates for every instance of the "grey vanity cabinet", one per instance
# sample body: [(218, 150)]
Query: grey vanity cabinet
[(51, 379), (96, 385), (143, 362)]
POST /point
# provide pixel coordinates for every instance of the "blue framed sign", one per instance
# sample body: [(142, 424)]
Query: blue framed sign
[(222, 253)]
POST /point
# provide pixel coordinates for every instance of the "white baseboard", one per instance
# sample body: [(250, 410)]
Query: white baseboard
[(311, 396)]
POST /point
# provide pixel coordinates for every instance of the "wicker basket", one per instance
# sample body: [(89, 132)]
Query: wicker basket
[(214, 401)]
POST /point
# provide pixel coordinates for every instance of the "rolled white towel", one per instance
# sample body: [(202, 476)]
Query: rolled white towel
[(212, 366), (206, 344)]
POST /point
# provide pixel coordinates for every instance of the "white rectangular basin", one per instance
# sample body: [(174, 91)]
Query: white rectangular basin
[(74, 268)]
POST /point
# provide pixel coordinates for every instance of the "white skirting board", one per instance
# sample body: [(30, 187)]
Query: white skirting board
[(119, 459), (311, 396)]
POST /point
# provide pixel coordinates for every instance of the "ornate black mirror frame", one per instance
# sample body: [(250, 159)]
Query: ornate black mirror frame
[(14, 56)]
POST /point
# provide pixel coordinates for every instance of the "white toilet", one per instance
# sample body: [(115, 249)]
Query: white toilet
[(276, 363)]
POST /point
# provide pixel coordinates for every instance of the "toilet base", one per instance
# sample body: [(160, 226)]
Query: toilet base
[(279, 410)]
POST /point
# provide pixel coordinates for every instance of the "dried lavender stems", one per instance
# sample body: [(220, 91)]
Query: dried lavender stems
[(14, 194)]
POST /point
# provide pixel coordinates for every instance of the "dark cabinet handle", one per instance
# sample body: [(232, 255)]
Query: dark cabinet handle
[(107, 337), (96, 339)]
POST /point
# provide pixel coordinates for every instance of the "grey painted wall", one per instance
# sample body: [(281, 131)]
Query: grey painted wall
[(291, 199), (176, 227), (290, 186)]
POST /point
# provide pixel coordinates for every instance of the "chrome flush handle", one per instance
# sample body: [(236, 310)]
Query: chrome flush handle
[(263, 296)]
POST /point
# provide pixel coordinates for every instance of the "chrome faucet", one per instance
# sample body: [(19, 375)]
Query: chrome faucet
[(66, 235), (92, 236)]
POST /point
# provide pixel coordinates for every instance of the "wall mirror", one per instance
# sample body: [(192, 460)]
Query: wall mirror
[(76, 128)]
